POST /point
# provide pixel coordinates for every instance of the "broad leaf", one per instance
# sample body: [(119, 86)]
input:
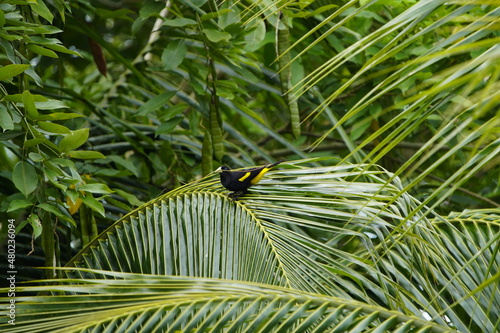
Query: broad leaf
[(9, 71), (74, 140), (174, 54), (25, 178), (170, 304)]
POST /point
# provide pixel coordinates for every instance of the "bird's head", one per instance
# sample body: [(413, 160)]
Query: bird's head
[(223, 168)]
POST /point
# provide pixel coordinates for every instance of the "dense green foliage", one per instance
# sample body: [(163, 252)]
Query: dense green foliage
[(104, 107)]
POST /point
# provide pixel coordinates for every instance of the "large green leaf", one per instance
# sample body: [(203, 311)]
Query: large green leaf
[(290, 235), (337, 231), (25, 178), (9, 71), (181, 304)]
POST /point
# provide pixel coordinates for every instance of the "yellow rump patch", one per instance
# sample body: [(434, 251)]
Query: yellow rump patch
[(259, 176)]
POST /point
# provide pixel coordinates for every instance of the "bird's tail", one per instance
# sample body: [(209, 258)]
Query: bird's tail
[(269, 166)]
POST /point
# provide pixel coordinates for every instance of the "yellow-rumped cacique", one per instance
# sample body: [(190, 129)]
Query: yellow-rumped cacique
[(240, 180)]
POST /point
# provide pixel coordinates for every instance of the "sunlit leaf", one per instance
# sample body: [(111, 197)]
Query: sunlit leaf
[(95, 188), (93, 204), (216, 35), (85, 154), (53, 127), (9, 71), (18, 204), (74, 140)]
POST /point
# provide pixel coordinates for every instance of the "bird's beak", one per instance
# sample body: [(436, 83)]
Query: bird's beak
[(219, 169)]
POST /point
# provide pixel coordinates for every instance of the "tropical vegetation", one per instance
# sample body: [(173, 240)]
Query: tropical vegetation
[(383, 217)]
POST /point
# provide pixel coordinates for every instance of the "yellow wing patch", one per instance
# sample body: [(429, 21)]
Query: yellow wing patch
[(245, 176), (259, 176)]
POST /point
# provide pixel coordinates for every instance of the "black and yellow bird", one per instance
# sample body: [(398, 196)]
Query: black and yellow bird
[(239, 181)]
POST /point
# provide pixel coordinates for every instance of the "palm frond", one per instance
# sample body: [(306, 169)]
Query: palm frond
[(292, 234), (125, 302), (344, 231)]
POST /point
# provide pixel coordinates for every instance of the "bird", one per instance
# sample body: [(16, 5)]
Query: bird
[(238, 181)]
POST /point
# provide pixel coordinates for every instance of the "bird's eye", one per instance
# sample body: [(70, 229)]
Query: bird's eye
[(224, 167)]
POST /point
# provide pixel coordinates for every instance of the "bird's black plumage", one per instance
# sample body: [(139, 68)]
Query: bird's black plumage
[(241, 180)]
